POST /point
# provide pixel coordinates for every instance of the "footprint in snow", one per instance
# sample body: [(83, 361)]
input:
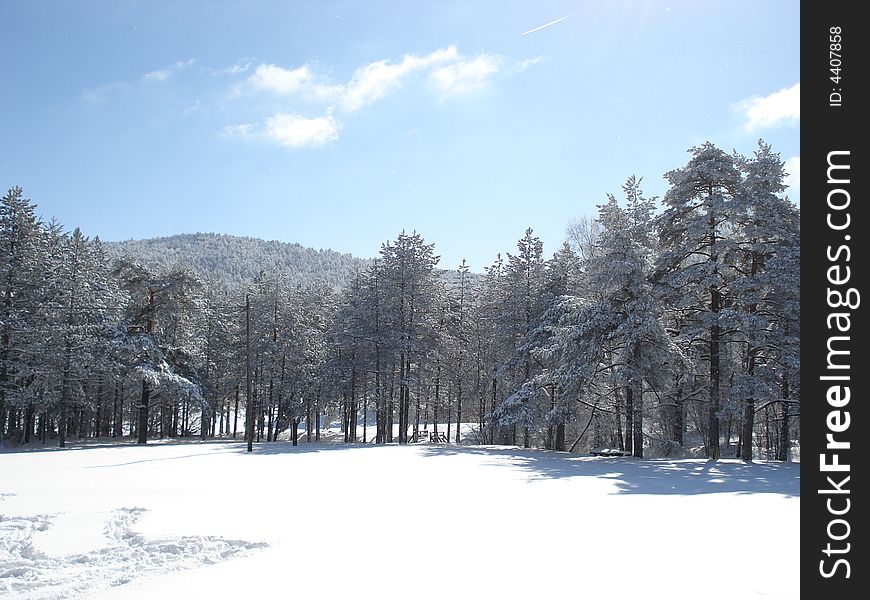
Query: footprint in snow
[(26, 573)]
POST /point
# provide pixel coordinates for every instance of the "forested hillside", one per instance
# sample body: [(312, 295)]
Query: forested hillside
[(669, 327), (233, 261)]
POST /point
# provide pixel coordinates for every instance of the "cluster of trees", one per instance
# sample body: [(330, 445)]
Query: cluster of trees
[(650, 332)]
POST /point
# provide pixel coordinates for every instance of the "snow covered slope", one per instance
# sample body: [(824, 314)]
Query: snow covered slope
[(327, 521)]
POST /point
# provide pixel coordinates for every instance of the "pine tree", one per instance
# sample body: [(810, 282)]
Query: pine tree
[(621, 275), (409, 287), (767, 226), (694, 267), (154, 345), (523, 280), (21, 254)]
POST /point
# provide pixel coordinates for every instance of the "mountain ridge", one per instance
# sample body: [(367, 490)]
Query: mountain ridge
[(236, 260)]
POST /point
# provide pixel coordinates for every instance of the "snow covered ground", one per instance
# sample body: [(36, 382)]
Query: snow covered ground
[(175, 520)]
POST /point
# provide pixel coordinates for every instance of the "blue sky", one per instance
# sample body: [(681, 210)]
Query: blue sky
[(338, 124)]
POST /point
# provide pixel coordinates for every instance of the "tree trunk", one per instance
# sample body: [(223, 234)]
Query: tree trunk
[(64, 395), (437, 402), (407, 398), (679, 426), (449, 421), (317, 423), (784, 434), (459, 402), (365, 416), (402, 398), (629, 419), (28, 422), (162, 416), (142, 427), (748, 415), (637, 422), (353, 407), (617, 414), (308, 424), (236, 414), (388, 422), (249, 404), (492, 409), (115, 412), (713, 410)]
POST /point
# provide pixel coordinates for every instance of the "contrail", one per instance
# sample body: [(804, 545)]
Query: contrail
[(540, 27)]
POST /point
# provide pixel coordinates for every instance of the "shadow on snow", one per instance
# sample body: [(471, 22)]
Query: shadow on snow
[(645, 476), (631, 475)]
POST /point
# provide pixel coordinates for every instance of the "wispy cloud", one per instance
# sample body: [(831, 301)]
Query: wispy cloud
[(288, 130), (793, 168), (376, 79), (466, 76), (236, 69), (192, 108), (244, 131), (525, 64), (779, 108), (545, 25), (166, 73), (104, 92)]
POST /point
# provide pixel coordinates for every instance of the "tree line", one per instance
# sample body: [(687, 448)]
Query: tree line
[(657, 330)]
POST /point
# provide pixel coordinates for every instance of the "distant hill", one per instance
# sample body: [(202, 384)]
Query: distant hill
[(234, 261)]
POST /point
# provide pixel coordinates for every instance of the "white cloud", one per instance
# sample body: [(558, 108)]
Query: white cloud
[(783, 106), (465, 76), (103, 92), (449, 71), (288, 130), (281, 81), (161, 75), (300, 81), (164, 74), (793, 168), (294, 131), (376, 79)]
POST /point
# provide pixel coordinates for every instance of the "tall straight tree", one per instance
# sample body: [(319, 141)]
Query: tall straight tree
[(460, 336), (694, 231), (523, 306), (21, 253), (768, 228), (160, 353), (409, 285), (621, 273)]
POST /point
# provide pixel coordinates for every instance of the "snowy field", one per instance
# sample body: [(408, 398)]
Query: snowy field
[(187, 520)]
